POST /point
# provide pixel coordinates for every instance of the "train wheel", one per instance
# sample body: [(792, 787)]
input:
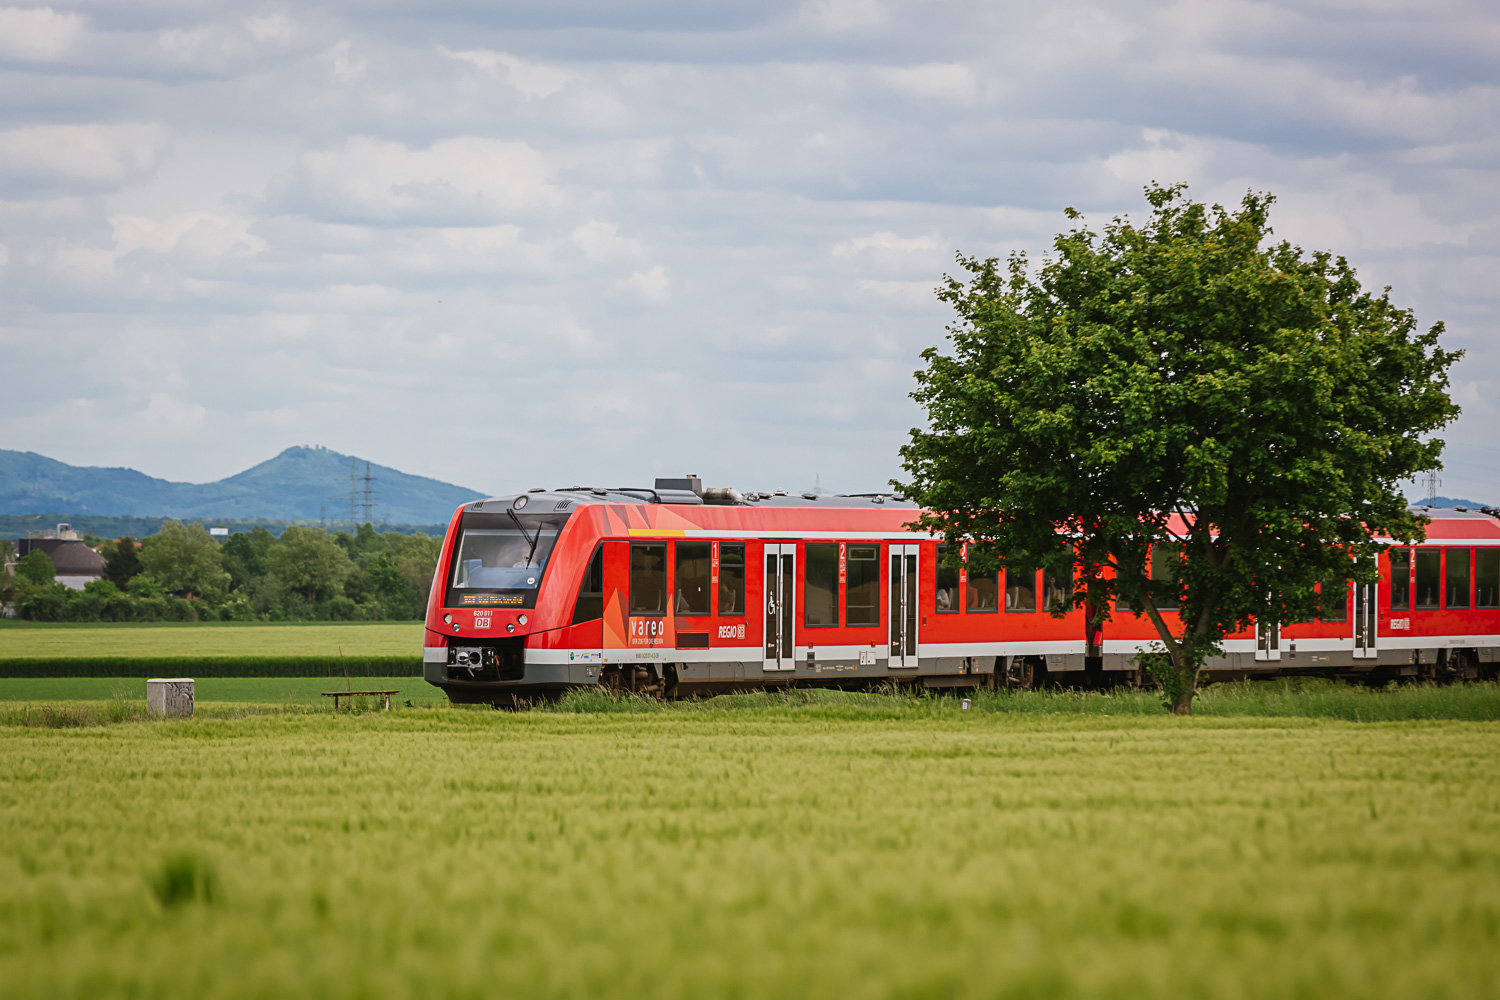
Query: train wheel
[(1024, 674)]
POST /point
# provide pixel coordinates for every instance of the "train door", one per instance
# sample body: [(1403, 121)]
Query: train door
[(781, 604), (903, 585), (1267, 641), (1364, 621)]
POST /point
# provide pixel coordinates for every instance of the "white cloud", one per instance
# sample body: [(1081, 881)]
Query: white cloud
[(951, 82), (277, 28), (904, 293), (652, 285), (39, 34), (83, 157), (467, 179), (839, 16), (884, 241), (1165, 157), (346, 67), (200, 233), (601, 241), (171, 415), (535, 80)]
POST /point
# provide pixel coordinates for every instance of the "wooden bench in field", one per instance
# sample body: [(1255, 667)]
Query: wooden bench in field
[(336, 695)]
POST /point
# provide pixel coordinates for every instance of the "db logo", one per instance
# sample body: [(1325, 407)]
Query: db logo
[(481, 622), (732, 631)]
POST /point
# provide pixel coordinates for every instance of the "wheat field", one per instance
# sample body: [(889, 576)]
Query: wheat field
[(750, 847)]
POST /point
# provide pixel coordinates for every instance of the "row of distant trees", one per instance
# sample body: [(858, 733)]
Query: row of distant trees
[(181, 573)]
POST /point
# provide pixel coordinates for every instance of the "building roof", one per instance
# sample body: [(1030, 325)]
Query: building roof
[(68, 558)]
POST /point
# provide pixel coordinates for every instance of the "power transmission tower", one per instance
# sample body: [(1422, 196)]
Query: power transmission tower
[(1434, 483), (367, 502), (353, 491)]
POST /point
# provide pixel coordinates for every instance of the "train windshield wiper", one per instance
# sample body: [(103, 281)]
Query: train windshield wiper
[(522, 529)]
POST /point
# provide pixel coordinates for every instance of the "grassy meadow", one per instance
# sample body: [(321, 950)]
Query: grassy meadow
[(753, 846), (208, 640), (239, 690)]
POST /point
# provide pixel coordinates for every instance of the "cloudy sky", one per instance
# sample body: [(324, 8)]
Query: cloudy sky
[(542, 243)]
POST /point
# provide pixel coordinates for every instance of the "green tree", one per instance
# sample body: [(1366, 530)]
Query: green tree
[(7, 578), (185, 559), (35, 569), (101, 601), (1187, 381), (417, 561), (122, 561), (308, 560), (246, 555)]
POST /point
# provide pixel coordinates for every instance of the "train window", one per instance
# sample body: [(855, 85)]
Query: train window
[(731, 579), (1166, 575), (862, 601), (648, 578), (946, 595), (691, 579), (1487, 578), (820, 598), (1333, 601), (499, 562), (1400, 579), (984, 584), (590, 603), (1429, 577), (1456, 579), (1057, 588), (1020, 589)]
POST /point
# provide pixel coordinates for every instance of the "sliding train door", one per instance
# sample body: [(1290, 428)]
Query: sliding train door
[(1267, 642), (1364, 621), (781, 604), (903, 606)]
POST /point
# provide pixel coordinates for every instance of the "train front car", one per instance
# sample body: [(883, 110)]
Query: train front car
[(503, 596)]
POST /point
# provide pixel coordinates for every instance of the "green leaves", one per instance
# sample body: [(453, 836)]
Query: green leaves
[(1188, 365)]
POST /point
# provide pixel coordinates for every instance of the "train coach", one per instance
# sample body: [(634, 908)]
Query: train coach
[(679, 590)]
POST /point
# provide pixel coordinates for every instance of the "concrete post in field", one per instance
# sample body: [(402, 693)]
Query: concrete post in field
[(169, 696)]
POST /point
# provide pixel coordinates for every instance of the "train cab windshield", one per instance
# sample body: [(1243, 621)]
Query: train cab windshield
[(500, 559)]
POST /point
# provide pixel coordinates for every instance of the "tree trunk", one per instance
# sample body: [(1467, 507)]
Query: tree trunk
[(1183, 703)]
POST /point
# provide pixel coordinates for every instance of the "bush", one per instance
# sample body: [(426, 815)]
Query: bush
[(43, 603)]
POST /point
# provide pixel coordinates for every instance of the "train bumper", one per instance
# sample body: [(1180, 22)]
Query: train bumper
[(464, 686)]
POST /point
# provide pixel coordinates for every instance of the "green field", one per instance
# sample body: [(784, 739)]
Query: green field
[(209, 640), (817, 845), (241, 690)]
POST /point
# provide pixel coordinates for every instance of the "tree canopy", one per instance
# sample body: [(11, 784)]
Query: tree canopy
[(1187, 381), (188, 575), (184, 559), (309, 560)]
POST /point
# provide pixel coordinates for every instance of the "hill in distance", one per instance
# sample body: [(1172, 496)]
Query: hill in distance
[(1449, 502), (299, 484)]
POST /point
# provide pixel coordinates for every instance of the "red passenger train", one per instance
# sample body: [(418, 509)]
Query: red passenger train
[(680, 589)]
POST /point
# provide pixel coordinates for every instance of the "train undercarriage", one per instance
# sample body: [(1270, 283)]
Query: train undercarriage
[(502, 678)]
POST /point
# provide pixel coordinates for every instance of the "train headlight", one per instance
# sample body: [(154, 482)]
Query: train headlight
[(510, 626), (447, 619), (519, 502), (522, 619)]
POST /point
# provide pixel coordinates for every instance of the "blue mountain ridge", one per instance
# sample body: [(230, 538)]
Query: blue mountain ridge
[(1448, 502), (298, 484)]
